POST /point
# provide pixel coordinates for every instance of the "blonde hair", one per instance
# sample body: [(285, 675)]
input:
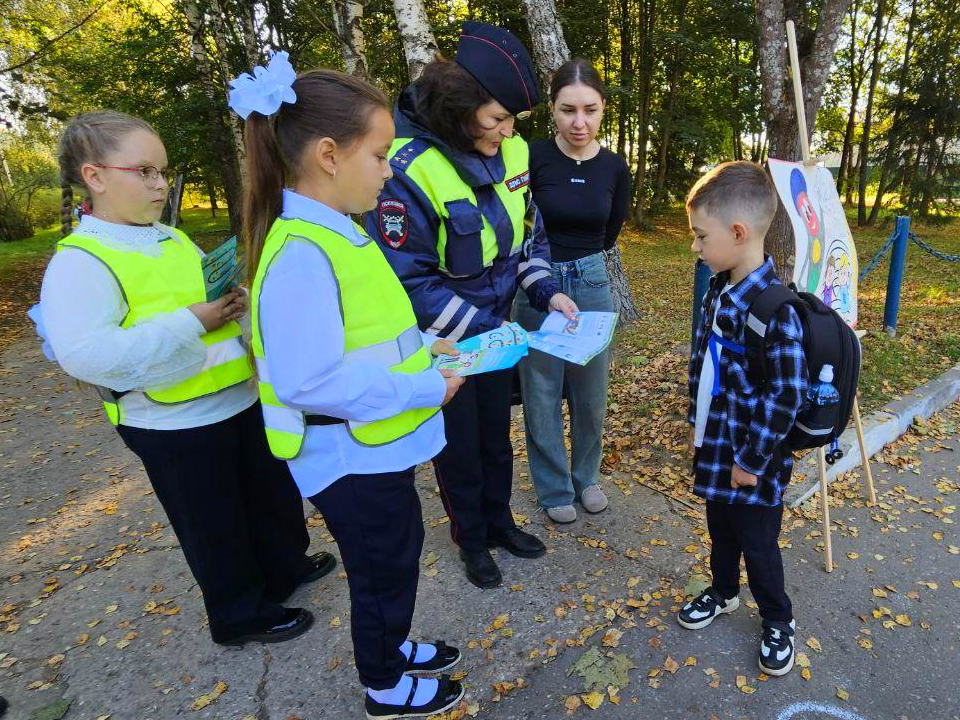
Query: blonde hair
[(733, 190), (87, 139)]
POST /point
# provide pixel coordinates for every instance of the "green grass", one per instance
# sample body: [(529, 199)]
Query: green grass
[(659, 265), (205, 230)]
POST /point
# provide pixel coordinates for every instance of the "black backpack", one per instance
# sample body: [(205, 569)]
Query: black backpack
[(827, 340)]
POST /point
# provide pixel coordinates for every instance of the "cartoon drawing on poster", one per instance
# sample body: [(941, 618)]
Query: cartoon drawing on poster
[(826, 258)]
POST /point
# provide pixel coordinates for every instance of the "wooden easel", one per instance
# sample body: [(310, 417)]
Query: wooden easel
[(821, 455)]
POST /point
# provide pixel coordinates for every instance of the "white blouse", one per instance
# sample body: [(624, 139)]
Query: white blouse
[(81, 308)]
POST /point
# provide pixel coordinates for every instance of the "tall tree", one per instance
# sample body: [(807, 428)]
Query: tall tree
[(221, 137), (348, 23), (815, 48), (419, 44), (878, 41), (551, 51)]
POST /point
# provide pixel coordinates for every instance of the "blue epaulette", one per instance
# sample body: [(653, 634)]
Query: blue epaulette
[(409, 152)]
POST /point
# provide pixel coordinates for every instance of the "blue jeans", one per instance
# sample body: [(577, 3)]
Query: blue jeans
[(542, 380)]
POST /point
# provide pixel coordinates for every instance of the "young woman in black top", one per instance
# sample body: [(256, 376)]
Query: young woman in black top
[(582, 191)]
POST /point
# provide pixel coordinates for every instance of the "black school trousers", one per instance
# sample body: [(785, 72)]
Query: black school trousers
[(237, 513), (377, 522), (749, 531), (475, 469)]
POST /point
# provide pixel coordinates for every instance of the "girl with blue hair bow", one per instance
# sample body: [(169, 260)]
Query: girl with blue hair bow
[(349, 397)]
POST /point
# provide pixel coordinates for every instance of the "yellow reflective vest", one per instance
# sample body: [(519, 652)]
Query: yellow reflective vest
[(378, 326), (154, 285)]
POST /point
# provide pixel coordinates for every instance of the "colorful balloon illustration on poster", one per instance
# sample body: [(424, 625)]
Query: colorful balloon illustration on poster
[(826, 258)]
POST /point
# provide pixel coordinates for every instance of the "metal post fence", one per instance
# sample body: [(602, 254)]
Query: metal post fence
[(895, 278)]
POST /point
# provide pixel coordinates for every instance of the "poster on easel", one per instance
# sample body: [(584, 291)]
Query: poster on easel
[(826, 258)]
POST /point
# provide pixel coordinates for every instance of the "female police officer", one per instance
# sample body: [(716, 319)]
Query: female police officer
[(451, 223)]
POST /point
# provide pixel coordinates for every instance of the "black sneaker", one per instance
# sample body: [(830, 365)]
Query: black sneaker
[(700, 612), (449, 694), (444, 659), (776, 647)]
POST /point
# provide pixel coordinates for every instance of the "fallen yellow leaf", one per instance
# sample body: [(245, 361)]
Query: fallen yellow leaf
[(204, 700), (814, 644), (805, 673), (594, 700), (843, 694)]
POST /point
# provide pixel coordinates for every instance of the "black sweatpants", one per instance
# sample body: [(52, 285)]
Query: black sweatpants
[(378, 525), (751, 531), (475, 469), (237, 514)]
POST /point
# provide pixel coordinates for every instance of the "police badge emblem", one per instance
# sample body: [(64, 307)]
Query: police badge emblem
[(394, 223)]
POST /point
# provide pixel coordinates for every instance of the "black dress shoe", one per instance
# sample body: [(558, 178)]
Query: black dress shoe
[(3, 706), (293, 623), (444, 659), (517, 542), (482, 571), (321, 563), (449, 694)]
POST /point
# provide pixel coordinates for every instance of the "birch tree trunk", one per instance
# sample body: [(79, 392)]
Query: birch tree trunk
[(419, 44), (816, 47), (550, 52), (550, 49), (233, 120), (220, 140), (348, 22)]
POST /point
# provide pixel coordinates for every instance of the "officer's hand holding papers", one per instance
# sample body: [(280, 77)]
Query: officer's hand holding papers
[(577, 341)]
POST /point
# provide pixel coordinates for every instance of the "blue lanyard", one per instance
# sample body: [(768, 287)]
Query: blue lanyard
[(712, 343)]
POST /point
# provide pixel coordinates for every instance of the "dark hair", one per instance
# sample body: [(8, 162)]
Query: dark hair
[(329, 104), (576, 71), (87, 139), (448, 98)]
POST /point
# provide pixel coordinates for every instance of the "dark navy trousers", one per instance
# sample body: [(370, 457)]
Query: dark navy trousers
[(475, 470), (235, 510), (378, 525), (750, 531)]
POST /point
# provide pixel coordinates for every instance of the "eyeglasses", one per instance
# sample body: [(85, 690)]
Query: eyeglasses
[(148, 173)]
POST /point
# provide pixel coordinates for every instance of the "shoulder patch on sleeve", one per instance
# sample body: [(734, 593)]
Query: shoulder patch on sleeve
[(521, 180), (393, 222)]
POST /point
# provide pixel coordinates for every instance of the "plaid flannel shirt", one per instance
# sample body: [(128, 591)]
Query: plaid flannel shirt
[(747, 424)]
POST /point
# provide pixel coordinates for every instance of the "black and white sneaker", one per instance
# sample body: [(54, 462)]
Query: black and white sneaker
[(444, 659), (776, 647), (700, 612), (449, 694)]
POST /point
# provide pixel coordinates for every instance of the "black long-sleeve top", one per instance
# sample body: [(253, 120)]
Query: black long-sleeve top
[(583, 203)]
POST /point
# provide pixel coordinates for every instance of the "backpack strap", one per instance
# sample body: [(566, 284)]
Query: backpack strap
[(762, 310)]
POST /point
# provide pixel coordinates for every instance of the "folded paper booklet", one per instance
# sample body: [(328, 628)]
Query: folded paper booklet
[(578, 340), (222, 269), (494, 350)]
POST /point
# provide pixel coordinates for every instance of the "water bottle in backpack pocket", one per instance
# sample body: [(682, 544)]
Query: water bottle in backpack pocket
[(832, 352)]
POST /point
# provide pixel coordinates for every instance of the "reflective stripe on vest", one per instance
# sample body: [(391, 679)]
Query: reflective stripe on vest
[(379, 327), (441, 184), (154, 285)]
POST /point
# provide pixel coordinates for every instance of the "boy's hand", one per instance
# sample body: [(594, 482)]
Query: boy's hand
[(741, 478)]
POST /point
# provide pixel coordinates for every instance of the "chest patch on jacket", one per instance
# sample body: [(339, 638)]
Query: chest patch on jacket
[(521, 180), (394, 223)]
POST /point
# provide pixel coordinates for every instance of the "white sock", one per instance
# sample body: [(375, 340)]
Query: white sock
[(425, 652), (426, 691)]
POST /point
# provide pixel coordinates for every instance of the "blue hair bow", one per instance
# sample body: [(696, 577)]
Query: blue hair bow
[(265, 90)]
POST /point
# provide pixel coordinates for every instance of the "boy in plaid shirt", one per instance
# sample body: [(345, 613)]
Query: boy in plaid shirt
[(741, 466)]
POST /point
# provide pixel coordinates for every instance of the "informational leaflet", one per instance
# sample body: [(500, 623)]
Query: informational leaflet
[(222, 270), (494, 350), (578, 340)]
